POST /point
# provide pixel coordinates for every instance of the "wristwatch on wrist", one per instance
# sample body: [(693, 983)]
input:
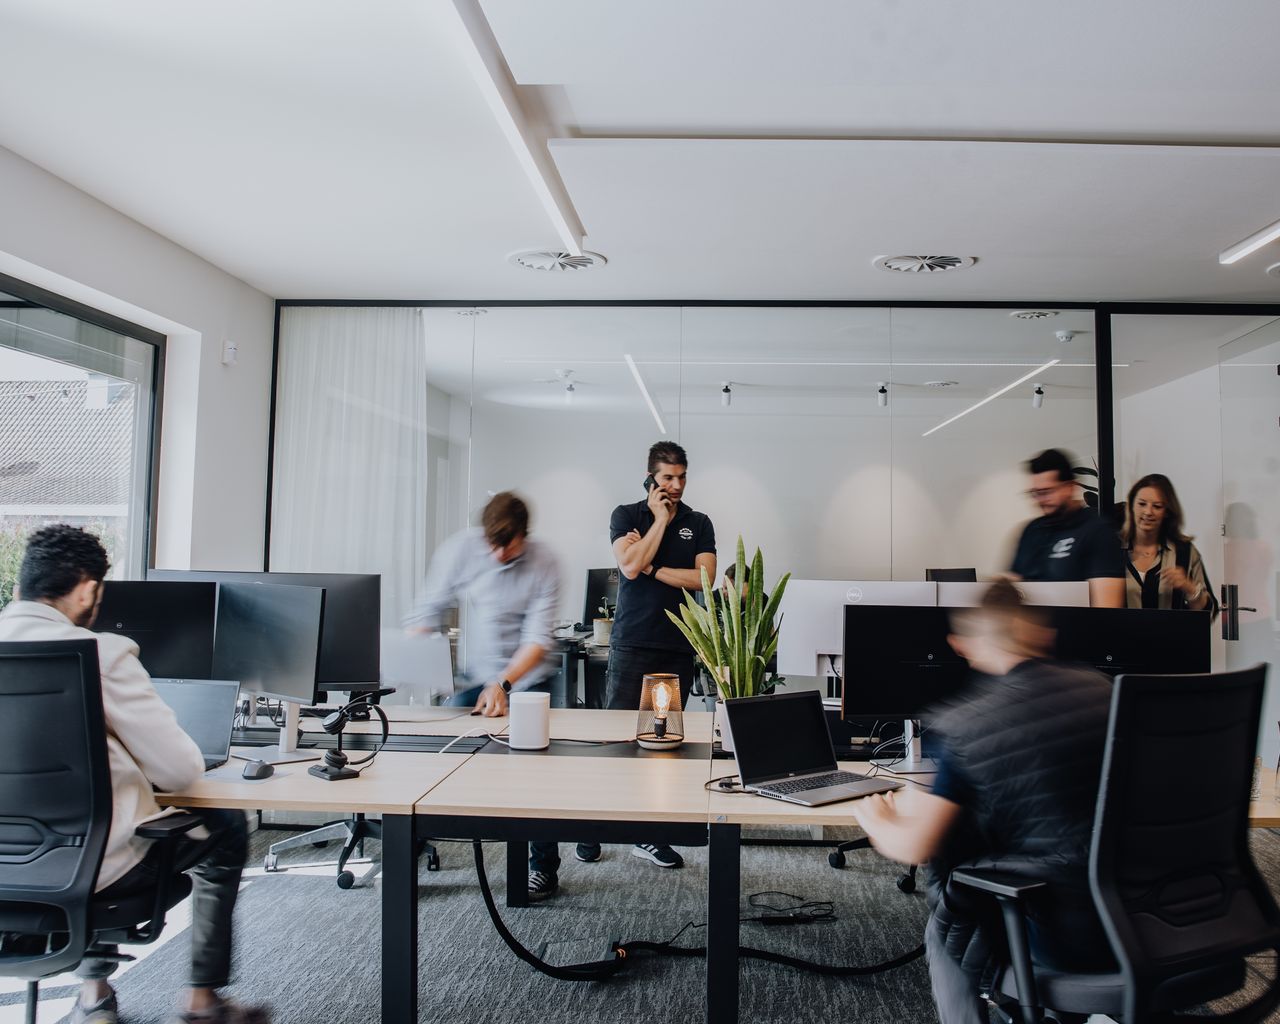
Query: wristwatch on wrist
[(506, 686)]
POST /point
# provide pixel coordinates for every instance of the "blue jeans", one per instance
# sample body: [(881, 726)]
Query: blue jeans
[(623, 685), (468, 697)]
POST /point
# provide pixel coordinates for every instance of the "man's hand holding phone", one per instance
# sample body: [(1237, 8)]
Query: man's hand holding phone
[(660, 504)]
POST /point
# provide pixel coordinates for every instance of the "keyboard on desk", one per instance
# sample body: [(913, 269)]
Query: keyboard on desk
[(790, 786), (828, 788)]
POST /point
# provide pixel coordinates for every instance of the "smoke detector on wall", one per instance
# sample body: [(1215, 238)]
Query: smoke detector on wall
[(551, 259), (923, 264)]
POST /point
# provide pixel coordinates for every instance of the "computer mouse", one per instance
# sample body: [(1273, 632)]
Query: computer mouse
[(258, 770)]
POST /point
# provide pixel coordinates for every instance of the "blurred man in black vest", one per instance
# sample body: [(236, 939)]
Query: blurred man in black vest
[(1017, 781)]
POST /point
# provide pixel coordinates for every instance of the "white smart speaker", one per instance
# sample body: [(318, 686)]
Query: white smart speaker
[(530, 727)]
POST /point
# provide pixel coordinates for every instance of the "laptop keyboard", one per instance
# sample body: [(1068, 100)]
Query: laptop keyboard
[(792, 786)]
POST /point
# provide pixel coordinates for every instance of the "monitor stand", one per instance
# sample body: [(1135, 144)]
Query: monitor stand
[(912, 763), (286, 751)]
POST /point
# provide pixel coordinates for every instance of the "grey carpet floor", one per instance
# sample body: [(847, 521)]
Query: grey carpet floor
[(312, 951)]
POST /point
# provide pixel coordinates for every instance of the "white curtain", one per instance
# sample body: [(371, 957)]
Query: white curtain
[(350, 457)]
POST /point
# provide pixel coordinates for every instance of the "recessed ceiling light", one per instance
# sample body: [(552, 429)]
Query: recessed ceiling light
[(551, 259), (1274, 270), (923, 264), (1033, 314), (941, 383)]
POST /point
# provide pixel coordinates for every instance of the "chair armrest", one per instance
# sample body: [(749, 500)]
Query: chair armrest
[(997, 883), (169, 827)]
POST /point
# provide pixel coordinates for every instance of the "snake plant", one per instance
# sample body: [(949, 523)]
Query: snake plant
[(734, 645)]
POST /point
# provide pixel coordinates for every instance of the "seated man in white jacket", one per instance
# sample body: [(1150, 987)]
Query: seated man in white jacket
[(59, 589)]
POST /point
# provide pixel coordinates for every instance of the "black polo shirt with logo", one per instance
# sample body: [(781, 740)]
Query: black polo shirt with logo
[(643, 602), (1079, 545)]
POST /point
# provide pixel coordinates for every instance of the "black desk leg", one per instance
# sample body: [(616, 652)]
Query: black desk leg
[(517, 873), (399, 920), (723, 885)]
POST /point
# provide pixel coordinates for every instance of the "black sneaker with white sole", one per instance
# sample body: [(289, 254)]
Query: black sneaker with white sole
[(588, 853), (542, 885), (663, 856)]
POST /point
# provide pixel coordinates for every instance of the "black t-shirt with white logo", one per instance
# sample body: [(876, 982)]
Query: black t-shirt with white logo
[(1077, 546), (641, 619)]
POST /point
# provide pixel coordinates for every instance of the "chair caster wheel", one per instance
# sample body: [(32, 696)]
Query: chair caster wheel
[(906, 884), (346, 879), (836, 860), (433, 862), (270, 862)]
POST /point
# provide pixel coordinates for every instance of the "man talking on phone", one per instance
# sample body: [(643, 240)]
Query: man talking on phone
[(662, 546)]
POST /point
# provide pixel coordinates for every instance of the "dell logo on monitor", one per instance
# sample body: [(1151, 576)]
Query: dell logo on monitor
[(853, 595)]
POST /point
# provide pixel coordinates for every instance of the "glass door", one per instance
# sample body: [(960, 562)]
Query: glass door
[(1249, 385)]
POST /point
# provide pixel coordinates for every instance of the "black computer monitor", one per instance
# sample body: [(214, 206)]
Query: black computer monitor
[(897, 662), (172, 624), (602, 584), (1149, 641), (268, 638), (350, 643)]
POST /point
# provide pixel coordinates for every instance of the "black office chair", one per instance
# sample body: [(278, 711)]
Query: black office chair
[(1170, 870), (55, 813), (951, 575)]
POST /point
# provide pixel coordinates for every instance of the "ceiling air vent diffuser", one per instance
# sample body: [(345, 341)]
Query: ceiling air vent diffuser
[(1033, 314), (923, 264), (548, 259)]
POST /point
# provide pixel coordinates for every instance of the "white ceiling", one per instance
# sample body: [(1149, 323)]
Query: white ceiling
[(318, 148)]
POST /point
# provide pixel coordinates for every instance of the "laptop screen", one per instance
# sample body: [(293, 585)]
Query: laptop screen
[(205, 709), (780, 735)]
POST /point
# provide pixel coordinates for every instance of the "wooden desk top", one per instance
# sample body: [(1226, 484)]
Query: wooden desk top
[(1265, 811), (390, 785), (590, 788)]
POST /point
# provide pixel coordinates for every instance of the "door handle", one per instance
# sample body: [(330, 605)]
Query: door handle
[(1231, 611)]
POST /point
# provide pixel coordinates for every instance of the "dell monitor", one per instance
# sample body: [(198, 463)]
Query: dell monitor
[(1147, 641), (268, 638), (350, 642), (897, 664), (602, 585), (172, 624)]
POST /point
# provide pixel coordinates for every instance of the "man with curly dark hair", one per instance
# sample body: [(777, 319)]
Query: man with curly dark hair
[(59, 590)]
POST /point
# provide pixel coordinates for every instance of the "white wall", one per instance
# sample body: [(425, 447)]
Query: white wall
[(215, 419), (815, 493), (1175, 429)]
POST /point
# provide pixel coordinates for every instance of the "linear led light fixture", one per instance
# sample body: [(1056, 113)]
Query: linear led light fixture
[(635, 372), (1251, 244), (995, 394)]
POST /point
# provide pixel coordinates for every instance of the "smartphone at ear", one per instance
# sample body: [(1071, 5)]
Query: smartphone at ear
[(649, 483)]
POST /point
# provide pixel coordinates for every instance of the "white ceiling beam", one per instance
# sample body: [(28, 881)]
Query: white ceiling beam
[(526, 134)]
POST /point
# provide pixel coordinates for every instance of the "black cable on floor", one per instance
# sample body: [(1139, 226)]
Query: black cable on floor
[(601, 970)]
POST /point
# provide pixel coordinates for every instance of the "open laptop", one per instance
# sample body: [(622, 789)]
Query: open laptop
[(416, 664), (206, 711), (784, 751)]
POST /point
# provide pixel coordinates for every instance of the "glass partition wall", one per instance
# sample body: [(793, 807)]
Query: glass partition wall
[(846, 442)]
